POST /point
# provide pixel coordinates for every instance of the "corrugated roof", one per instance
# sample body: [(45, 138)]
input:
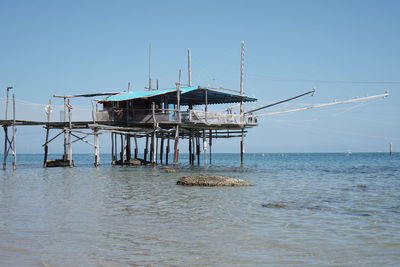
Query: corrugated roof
[(195, 95)]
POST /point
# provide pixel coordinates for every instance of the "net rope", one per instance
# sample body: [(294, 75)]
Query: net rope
[(29, 111)]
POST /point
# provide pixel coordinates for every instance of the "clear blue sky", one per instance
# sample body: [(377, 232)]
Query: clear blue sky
[(63, 47)]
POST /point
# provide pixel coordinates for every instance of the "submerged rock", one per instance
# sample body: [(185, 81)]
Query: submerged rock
[(210, 180), (133, 162), (275, 205)]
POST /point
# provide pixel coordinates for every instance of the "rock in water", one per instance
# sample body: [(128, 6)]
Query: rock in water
[(210, 180)]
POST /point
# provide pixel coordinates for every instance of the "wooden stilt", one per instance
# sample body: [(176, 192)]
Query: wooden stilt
[(116, 147), (176, 151), (122, 153), (71, 164), (178, 108), (96, 148), (136, 147), (152, 141), (161, 148), (210, 142), (5, 154), (242, 148), (153, 136), (190, 150), (193, 148), (156, 153), (167, 150), (198, 149), (112, 149), (46, 146), (146, 150), (128, 147), (65, 157), (204, 148), (241, 102)]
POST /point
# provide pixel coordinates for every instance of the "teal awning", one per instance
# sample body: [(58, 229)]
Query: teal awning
[(194, 95)]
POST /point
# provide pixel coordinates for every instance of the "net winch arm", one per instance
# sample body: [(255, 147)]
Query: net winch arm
[(322, 105), (280, 102)]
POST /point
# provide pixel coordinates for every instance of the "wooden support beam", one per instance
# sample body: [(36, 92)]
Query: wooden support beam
[(115, 147), (122, 153), (112, 149), (151, 147), (176, 150), (210, 142), (241, 148), (153, 136), (96, 148), (65, 132), (69, 155), (128, 147), (156, 153), (204, 148), (5, 154), (14, 139), (198, 149), (161, 148), (146, 150), (192, 157), (136, 147), (167, 150), (46, 147), (190, 150)]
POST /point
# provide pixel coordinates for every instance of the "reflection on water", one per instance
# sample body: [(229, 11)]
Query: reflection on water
[(304, 209)]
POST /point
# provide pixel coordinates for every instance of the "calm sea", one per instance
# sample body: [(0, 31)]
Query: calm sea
[(303, 209)]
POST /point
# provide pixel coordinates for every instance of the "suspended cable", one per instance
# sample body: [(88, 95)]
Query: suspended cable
[(263, 77)]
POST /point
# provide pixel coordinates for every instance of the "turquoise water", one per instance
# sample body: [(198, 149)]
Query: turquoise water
[(303, 210)]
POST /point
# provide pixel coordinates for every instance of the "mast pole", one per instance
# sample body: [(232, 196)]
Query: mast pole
[(178, 107), (150, 67), (241, 102), (189, 67), (69, 157), (46, 147), (14, 141)]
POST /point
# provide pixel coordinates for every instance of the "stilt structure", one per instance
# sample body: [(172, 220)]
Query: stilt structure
[(156, 116), (46, 144), (10, 145), (96, 147)]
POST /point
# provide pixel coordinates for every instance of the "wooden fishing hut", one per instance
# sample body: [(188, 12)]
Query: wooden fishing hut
[(165, 115)]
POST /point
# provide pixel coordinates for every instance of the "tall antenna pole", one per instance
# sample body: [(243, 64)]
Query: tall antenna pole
[(189, 67), (241, 76), (8, 90), (178, 97), (241, 103), (14, 141), (150, 66)]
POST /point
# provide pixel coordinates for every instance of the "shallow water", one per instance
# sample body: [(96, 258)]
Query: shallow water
[(303, 209)]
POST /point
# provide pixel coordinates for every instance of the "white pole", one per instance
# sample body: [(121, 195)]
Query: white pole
[(150, 66), (241, 102), (14, 136), (241, 76), (189, 67)]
